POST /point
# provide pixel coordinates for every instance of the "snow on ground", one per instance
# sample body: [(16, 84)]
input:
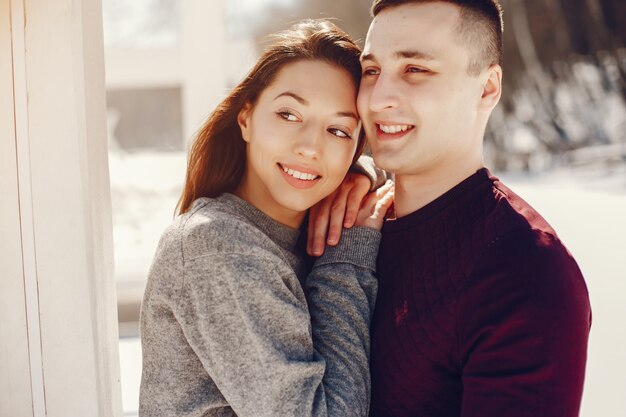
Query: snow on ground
[(144, 191), (586, 206)]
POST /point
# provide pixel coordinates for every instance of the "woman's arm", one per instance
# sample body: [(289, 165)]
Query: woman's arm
[(245, 317), (240, 327), (341, 291)]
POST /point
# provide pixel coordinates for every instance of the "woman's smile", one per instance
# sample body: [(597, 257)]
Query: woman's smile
[(299, 177)]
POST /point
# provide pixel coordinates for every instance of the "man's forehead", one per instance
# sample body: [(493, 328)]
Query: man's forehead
[(424, 29), (431, 12)]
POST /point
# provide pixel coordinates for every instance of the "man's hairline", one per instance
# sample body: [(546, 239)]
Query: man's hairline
[(459, 30)]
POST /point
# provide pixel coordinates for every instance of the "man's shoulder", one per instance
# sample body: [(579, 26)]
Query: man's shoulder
[(528, 260), (522, 240), (513, 214)]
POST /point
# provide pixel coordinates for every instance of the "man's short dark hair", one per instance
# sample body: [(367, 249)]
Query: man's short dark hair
[(480, 28)]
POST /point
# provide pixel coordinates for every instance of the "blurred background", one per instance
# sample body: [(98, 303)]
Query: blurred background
[(558, 137)]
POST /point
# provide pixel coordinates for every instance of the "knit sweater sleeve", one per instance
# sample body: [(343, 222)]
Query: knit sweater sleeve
[(524, 319), (244, 314), (341, 291)]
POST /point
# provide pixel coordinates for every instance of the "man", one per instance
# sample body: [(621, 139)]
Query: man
[(481, 311)]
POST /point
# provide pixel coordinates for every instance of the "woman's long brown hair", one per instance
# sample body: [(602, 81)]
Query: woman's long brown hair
[(217, 158)]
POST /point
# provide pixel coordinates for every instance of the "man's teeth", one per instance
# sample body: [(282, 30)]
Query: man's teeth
[(299, 175), (394, 128)]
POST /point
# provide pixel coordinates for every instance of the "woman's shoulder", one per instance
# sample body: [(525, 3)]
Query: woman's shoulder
[(211, 227)]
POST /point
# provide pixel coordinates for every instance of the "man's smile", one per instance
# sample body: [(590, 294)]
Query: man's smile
[(387, 130)]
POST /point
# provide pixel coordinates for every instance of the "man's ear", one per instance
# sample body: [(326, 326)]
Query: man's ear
[(243, 119), (492, 89)]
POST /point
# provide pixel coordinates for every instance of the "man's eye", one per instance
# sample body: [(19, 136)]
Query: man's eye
[(371, 71), (287, 116), (416, 70), (339, 133)]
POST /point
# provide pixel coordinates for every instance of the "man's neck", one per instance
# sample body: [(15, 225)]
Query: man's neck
[(414, 191)]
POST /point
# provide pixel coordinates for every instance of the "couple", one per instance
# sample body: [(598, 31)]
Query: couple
[(474, 305)]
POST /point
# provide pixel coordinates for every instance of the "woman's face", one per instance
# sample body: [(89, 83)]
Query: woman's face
[(301, 137)]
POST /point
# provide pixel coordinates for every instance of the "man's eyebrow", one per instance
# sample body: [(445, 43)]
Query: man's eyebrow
[(402, 54), (414, 55), (294, 96)]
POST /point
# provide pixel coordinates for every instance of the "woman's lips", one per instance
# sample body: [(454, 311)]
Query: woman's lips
[(298, 177)]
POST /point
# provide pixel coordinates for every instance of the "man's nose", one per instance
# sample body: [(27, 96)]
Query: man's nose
[(384, 94)]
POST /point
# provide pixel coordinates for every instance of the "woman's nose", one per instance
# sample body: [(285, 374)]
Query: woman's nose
[(309, 144)]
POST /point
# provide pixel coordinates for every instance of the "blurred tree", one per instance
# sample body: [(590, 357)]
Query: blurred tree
[(351, 15)]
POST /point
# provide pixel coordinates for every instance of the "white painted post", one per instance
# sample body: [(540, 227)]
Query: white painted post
[(16, 398), (59, 326), (203, 73)]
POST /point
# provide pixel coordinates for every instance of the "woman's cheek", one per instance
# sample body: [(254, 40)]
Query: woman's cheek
[(341, 158)]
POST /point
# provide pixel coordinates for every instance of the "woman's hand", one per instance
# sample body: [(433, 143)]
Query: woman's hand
[(338, 210), (375, 206), (348, 206)]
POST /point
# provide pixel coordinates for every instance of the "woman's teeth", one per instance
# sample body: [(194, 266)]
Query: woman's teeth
[(394, 128), (299, 175)]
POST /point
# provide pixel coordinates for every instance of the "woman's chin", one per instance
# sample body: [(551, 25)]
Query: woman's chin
[(297, 205)]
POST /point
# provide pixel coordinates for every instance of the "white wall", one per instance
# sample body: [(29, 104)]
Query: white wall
[(204, 77), (58, 331), (15, 391)]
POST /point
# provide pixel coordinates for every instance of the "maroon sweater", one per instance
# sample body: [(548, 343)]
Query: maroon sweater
[(481, 311)]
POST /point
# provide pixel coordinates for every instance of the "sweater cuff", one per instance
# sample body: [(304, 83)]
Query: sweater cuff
[(357, 246)]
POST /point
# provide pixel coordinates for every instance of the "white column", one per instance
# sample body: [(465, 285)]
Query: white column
[(59, 323), (15, 388), (204, 80)]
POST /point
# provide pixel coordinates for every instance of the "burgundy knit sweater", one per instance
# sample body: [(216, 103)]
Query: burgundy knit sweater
[(481, 311)]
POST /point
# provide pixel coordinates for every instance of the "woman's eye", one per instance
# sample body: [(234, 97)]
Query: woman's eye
[(339, 133), (288, 116)]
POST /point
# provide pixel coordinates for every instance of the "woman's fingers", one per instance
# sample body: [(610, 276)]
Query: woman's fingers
[(340, 209), (348, 205), (337, 214), (318, 226), (358, 192), (372, 214), (383, 205)]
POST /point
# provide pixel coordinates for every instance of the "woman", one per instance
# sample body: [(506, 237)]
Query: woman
[(226, 327)]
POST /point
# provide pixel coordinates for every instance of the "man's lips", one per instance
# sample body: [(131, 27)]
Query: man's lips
[(392, 130)]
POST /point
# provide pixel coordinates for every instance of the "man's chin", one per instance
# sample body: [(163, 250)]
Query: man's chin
[(390, 161)]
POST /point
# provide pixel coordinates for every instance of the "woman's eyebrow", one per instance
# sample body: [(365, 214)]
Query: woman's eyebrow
[(368, 57), (348, 114), (305, 102), (294, 96)]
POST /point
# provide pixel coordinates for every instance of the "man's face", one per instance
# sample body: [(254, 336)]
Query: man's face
[(418, 103)]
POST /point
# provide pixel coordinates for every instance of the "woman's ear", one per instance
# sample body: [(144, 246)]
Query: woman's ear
[(243, 119)]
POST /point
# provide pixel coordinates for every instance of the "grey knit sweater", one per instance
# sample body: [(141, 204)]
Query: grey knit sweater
[(231, 325)]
